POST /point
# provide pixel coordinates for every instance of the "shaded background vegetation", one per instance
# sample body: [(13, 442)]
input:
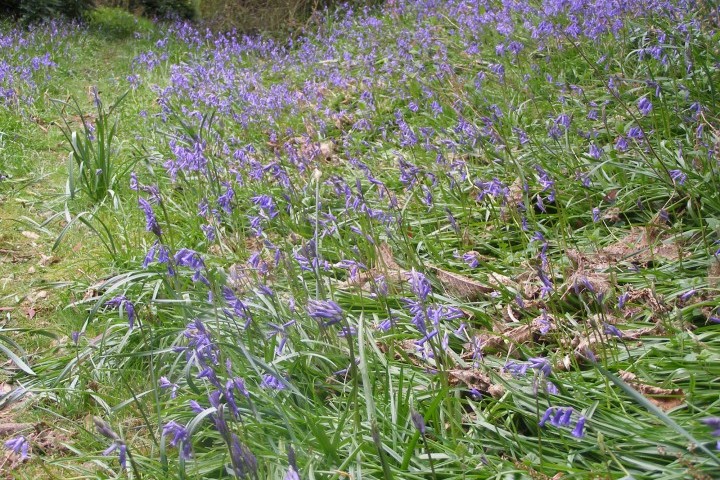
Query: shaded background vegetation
[(218, 15)]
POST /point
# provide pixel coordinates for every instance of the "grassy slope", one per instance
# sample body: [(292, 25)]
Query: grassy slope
[(390, 382)]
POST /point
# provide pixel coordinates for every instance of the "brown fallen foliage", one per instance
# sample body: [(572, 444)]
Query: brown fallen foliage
[(663, 398), (474, 379), (468, 288)]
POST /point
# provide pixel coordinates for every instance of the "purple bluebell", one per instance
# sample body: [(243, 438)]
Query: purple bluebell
[(117, 443), (243, 461), (558, 416), (121, 448), (121, 301), (418, 421), (326, 312), (645, 106), (165, 383), (151, 223), (621, 144), (579, 430), (678, 177), (272, 382), (419, 285), (714, 423), (180, 437), (612, 330), (18, 445), (541, 365)]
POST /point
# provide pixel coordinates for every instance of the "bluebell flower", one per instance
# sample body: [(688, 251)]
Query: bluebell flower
[(419, 284), (272, 382), (151, 223), (165, 383), (243, 461), (122, 452), (326, 312), (18, 445), (645, 106), (419, 422), (579, 430), (118, 444), (714, 423), (678, 177), (121, 301), (179, 436)]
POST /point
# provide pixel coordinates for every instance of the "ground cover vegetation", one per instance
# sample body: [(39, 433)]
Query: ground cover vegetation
[(423, 240)]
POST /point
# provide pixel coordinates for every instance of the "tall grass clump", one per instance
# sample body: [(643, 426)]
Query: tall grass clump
[(433, 240), (94, 163)]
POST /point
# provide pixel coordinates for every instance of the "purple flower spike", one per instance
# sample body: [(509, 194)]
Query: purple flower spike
[(18, 445), (418, 422), (645, 106), (151, 223), (325, 311), (420, 285), (678, 177), (546, 416), (579, 430), (179, 436), (272, 382), (121, 301), (541, 364)]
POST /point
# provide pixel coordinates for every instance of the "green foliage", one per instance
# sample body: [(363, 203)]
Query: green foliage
[(184, 9), (92, 163), (116, 22), (35, 10)]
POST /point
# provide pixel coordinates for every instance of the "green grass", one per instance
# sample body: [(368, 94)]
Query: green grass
[(346, 409)]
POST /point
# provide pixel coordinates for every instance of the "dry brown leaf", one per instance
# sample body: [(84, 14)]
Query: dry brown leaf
[(594, 282), (469, 288), (641, 245), (30, 235), (663, 398), (612, 215), (648, 298), (473, 379), (505, 341), (47, 260), (462, 286), (713, 276), (386, 267), (387, 260)]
